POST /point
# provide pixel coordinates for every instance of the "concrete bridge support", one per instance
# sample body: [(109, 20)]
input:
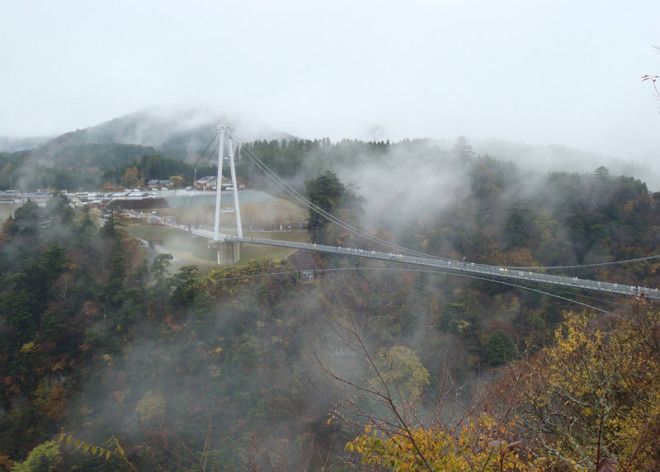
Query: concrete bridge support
[(228, 252)]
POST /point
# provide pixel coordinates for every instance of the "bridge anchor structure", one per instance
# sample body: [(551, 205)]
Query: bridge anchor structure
[(228, 252)]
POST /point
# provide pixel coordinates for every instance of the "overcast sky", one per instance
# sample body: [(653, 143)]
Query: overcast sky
[(564, 72)]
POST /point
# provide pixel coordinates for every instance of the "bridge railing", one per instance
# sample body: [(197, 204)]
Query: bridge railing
[(457, 266)]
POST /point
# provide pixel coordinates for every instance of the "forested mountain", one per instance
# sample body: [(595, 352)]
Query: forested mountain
[(185, 132), (180, 131), (87, 158), (8, 144), (111, 361), (66, 167)]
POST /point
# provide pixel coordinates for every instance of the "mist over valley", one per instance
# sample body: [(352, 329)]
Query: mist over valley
[(339, 236)]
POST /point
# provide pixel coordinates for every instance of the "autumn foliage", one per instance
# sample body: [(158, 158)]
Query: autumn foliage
[(591, 401)]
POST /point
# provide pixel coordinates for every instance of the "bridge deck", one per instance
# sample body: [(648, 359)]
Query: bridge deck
[(457, 266)]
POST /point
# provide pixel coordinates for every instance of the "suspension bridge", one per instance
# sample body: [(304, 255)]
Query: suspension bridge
[(228, 245)]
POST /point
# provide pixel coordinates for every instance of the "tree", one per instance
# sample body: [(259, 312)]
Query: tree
[(480, 445), (131, 177), (6, 176), (499, 348), (45, 457), (462, 148), (332, 196), (589, 402), (26, 220), (593, 398), (117, 266), (151, 409), (519, 227), (177, 181), (401, 367), (653, 79), (60, 211), (30, 291), (188, 290), (394, 373)]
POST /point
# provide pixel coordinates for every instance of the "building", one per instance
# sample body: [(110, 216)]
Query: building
[(210, 183), (9, 197), (205, 183), (156, 184)]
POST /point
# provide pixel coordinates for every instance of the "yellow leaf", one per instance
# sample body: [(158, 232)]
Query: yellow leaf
[(27, 347)]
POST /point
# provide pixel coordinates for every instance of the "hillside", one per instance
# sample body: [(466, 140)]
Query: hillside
[(88, 157), (9, 144), (180, 132), (107, 352)]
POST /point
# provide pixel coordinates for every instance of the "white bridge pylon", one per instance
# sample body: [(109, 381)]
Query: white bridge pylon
[(226, 147)]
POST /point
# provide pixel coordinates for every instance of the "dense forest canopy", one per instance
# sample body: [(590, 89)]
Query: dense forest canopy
[(188, 288), (86, 159), (110, 360)]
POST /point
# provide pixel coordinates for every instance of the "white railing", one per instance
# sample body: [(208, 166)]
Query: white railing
[(457, 266)]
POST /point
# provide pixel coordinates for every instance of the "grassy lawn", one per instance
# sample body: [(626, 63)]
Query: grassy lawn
[(6, 211), (269, 214), (188, 249)]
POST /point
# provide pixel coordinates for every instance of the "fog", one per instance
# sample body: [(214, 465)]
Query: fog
[(543, 73), (240, 361)]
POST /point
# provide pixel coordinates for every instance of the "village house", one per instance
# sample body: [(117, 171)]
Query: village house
[(159, 184), (210, 183)]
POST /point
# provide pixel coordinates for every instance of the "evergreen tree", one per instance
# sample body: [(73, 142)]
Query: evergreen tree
[(331, 195)]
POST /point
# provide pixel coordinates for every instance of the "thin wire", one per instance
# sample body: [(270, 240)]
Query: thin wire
[(598, 264), (316, 208), (592, 298), (270, 173), (296, 195), (432, 272), (212, 141)]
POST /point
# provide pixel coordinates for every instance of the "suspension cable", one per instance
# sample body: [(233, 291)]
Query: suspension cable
[(597, 264), (431, 272), (306, 202), (201, 155)]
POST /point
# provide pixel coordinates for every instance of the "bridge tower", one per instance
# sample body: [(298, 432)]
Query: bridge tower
[(228, 252)]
